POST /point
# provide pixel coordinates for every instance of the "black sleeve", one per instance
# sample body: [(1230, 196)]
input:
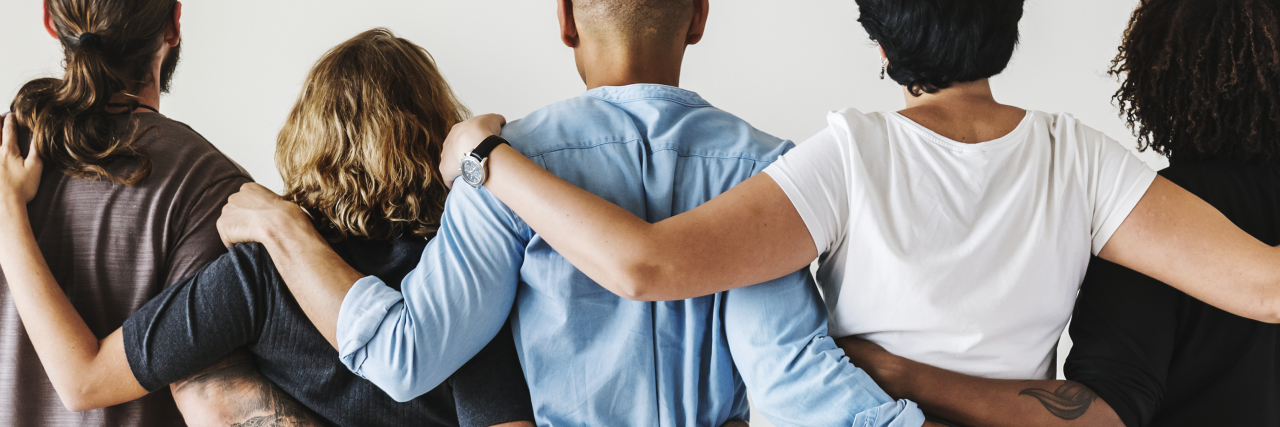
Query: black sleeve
[(202, 318), (1122, 337), (490, 388)]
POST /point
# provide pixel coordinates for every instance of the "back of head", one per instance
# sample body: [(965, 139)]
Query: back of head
[(932, 44), (1202, 79), (632, 21), (359, 152), (109, 48)]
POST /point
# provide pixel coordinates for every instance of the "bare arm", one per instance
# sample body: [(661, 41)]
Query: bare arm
[(86, 372), (1176, 238), (318, 278), (969, 400), (231, 392), (718, 246)]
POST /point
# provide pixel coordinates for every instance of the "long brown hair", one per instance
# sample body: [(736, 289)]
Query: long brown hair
[(360, 149), (109, 47), (1202, 79)]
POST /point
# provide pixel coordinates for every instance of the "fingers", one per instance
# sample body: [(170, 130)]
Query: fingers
[(10, 143)]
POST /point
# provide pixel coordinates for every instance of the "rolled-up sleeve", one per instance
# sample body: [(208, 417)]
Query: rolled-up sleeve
[(777, 333), (449, 307)]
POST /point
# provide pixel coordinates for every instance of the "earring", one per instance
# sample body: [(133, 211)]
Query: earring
[(884, 68)]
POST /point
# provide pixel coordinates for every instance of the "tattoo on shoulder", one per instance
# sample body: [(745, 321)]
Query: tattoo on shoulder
[(1070, 401)]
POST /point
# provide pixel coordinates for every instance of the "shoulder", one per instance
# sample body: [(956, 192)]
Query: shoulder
[(1065, 128), (579, 122), (694, 129), (179, 152), (851, 126)]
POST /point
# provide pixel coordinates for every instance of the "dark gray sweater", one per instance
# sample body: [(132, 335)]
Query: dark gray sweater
[(241, 301)]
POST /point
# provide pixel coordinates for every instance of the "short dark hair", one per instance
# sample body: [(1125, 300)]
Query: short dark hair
[(932, 44), (635, 20), (1202, 79)]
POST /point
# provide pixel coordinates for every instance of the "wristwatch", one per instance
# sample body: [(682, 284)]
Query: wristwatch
[(475, 166)]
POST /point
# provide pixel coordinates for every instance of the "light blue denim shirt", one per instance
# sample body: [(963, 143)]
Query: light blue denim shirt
[(590, 357)]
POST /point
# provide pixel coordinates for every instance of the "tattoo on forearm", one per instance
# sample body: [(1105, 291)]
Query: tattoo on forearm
[(244, 397), (1070, 401)]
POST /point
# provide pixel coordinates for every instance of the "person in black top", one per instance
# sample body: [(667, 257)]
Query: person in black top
[(1200, 87), (359, 154)]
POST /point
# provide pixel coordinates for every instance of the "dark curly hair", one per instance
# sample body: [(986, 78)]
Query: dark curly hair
[(1201, 79), (932, 44)]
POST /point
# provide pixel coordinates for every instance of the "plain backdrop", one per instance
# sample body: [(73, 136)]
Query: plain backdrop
[(779, 64)]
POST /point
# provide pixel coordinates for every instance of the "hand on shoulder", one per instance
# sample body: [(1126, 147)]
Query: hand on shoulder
[(19, 177), (256, 214)]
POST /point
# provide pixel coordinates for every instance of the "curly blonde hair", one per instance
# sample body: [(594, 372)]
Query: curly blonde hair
[(360, 149)]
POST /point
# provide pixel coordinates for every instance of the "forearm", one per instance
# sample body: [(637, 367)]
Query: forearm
[(749, 234), (71, 354), (969, 400), (318, 278), (606, 243)]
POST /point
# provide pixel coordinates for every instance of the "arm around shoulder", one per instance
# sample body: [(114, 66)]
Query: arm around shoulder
[(749, 234), (1179, 239)]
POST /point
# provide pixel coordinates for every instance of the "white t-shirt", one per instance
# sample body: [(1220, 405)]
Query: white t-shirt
[(963, 256)]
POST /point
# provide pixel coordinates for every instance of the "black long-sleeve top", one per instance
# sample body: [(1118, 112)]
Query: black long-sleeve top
[(240, 300), (1162, 358)]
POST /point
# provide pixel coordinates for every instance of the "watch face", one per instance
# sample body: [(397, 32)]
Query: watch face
[(472, 171)]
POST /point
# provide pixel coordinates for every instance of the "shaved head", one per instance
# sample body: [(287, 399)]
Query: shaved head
[(635, 20)]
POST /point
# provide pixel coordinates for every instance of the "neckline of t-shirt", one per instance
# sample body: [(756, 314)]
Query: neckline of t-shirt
[(1007, 139)]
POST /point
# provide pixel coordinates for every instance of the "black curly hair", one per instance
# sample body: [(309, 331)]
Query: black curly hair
[(932, 44), (1202, 79)]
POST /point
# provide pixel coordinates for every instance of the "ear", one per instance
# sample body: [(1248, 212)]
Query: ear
[(699, 24), (173, 35), (48, 21), (568, 28), (883, 55)]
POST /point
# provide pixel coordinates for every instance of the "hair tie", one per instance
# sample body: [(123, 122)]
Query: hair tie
[(88, 37)]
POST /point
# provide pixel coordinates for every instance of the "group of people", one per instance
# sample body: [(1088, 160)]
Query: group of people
[(634, 255)]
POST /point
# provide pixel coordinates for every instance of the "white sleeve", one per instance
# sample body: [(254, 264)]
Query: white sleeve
[(815, 177), (1117, 181)]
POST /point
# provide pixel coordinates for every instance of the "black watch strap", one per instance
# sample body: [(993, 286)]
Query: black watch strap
[(482, 151)]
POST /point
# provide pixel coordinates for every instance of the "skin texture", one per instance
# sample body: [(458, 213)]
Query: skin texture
[(969, 400)]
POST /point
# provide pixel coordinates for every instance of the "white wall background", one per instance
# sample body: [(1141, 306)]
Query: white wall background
[(779, 64)]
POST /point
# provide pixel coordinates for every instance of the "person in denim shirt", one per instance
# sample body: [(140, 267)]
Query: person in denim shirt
[(591, 357)]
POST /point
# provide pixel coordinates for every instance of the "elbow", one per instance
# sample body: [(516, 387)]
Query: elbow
[(403, 389), (1273, 314), (78, 400), (640, 281), (401, 395)]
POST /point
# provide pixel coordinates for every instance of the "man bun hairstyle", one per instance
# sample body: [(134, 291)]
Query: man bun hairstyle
[(932, 44), (108, 48), (1202, 79)]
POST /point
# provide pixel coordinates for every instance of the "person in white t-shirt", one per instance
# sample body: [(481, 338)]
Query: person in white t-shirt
[(955, 232)]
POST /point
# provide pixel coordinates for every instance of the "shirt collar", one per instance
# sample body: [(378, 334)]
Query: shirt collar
[(644, 91)]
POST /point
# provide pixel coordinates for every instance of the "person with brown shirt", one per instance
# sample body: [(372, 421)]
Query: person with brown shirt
[(130, 198)]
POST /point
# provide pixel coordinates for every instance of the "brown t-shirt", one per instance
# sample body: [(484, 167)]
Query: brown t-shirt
[(112, 248)]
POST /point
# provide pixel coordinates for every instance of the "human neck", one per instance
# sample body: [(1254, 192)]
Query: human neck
[(964, 112), (149, 95), (958, 96), (602, 64)]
